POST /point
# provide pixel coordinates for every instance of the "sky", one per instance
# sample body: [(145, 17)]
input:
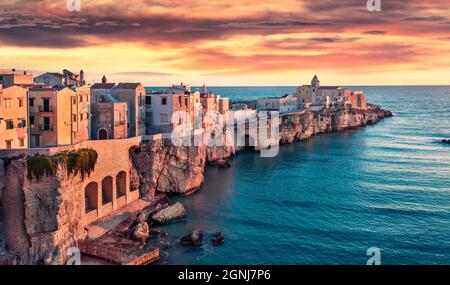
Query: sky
[(231, 42)]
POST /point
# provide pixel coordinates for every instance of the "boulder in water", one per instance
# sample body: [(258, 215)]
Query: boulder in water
[(194, 238), (140, 232), (170, 214), (218, 238), (222, 163)]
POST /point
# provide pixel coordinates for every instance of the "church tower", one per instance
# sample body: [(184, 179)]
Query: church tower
[(315, 83)]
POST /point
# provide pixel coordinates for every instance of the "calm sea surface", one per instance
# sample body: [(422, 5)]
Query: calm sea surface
[(327, 200)]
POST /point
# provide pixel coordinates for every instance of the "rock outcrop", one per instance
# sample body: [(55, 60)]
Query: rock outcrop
[(170, 214), (159, 166), (194, 238)]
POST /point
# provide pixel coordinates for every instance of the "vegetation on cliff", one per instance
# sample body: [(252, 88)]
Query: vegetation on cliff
[(40, 165), (81, 161)]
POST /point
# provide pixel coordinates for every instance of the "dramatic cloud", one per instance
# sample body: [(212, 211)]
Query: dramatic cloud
[(222, 37)]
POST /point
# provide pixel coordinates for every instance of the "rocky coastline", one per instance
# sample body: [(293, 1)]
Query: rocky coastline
[(48, 229)]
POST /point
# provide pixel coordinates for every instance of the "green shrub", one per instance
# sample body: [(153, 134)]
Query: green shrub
[(40, 165), (81, 161)]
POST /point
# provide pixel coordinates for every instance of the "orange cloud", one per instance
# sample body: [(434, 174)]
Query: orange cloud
[(159, 40)]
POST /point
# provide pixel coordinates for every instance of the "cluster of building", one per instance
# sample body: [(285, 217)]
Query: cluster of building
[(55, 109), (314, 97)]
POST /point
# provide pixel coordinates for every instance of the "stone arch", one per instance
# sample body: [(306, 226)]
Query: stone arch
[(121, 184), (91, 197), (107, 190), (102, 134)]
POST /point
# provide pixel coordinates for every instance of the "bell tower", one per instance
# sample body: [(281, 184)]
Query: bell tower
[(315, 82)]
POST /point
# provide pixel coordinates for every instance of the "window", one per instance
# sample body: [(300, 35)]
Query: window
[(164, 118), (46, 123), (21, 142), (46, 103), (74, 101), (20, 102), (22, 123), (186, 101), (8, 144), (81, 117), (358, 101), (164, 101), (7, 104), (81, 98), (31, 120), (31, 102), (46, 80), (148, 100), (179, 101), (9, 124), (74, 117)]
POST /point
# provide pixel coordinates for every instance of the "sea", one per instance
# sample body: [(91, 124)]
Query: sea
[(338, 198)]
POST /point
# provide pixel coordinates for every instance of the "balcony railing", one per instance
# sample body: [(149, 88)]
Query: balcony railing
[(45, 109)]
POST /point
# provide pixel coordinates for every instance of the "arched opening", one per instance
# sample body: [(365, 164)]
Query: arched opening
[(91, 197), (121, 184), (249, 143), (102, 134), (107, 190)]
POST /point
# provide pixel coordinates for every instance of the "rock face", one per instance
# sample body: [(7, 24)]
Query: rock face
[(40, 219), (299, 127), (162, 167), (170, 214)]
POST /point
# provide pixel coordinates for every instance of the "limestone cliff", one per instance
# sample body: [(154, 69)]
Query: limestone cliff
[(40, 217), (160, 166), (301, 126)]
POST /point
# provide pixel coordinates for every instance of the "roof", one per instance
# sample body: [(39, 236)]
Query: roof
[(48, 88), (103, 86), (53, 73), (315, 78), (128, 85), (329, 87)]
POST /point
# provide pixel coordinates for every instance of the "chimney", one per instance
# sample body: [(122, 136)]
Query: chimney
[(104, 80), (66, 79), (82, 81)]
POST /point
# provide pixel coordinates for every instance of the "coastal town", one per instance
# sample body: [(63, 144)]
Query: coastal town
[(60, 109), (76, 156)]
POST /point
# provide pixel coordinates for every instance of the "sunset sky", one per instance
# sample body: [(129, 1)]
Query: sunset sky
[(231, 42)]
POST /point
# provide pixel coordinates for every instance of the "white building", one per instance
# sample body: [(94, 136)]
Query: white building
[(67, 78), (316, 97), (161, 105), (285, 104)]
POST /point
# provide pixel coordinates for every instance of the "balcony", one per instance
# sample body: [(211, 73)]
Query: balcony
[(119, 123), (45, 109)]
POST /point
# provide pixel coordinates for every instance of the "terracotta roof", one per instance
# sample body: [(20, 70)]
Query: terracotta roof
[(103, 86), (128, 85)]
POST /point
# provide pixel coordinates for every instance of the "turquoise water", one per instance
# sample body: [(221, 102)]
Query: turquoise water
[(327, 200)]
